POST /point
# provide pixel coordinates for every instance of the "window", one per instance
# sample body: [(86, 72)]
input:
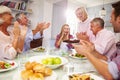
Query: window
[(72, 21)]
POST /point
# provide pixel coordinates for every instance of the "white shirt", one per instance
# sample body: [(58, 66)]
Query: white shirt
[(104, 41), (29, 37), (6, 49), (85, 27)]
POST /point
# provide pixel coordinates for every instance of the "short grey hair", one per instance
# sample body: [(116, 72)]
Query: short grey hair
[(18, 16), (100, 21)]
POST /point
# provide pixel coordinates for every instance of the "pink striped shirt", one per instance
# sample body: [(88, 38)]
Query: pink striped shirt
[(85, 27)]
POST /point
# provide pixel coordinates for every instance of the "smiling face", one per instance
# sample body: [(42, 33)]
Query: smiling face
[(94, 27), (115, 22), (66, 29), (23, 19), (7, 18), (81, 14)]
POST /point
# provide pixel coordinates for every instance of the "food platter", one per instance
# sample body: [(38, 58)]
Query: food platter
[(8, 65), (75, 75), (17, 76), (77, 57), (39, 49)]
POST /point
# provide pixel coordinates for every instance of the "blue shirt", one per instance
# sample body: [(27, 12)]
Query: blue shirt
[(29, 37)]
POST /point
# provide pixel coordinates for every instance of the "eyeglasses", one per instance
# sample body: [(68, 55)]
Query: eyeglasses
[(118, 45)]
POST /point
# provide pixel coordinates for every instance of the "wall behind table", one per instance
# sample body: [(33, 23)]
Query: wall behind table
[(94, 12), (58, 18)]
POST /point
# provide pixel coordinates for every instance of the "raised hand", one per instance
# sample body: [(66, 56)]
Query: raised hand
[(45, 26), (16, 30), (84, 47), (82, 36), (23, 31), (42, 26), (39, 26)]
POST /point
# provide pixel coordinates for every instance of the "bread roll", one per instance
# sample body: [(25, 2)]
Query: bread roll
[(25, 74), (36, 76), (39, 68), (48, 72), (29, 65)]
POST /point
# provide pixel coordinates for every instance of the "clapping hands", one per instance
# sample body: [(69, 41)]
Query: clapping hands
[(82, 36), (65, 35), (42, 26), (16, 30), (84, 47)]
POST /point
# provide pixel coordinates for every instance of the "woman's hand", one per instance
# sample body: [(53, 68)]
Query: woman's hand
[(82, 36)]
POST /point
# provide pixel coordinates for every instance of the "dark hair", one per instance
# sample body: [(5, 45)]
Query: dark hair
[(116, 7), (100, 20)]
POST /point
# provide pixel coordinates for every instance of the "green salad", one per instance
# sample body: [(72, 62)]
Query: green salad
[(78, 55)]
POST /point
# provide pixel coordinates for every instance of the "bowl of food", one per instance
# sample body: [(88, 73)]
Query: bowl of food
[(7, 65), (50, 61), (35, 71)]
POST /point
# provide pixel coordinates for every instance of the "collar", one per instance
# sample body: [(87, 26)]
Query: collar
[(87, 20)]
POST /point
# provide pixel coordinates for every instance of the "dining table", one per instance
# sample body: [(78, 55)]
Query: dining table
[(78, 65)]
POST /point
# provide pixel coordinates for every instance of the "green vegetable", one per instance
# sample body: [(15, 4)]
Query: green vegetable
[(92, 79), (7, 65), (79, 55)]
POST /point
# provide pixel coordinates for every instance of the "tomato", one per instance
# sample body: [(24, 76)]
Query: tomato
[(12, 63), (2, 66)]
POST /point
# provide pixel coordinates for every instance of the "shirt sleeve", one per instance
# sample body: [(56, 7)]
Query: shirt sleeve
[(103, 44), (28, 39), (57, 38), (9, 52), (37, 35), (113, 69)]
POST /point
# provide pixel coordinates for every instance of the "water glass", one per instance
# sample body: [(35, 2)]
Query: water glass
[(68, 68), (64, 47)]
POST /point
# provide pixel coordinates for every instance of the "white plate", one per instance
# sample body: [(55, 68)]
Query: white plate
[(39, 59), (36, 49), (72, 56), (11, 68), (95, 77), (17, 76)]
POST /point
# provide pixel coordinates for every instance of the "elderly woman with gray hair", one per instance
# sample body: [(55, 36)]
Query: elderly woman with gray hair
[(83, 28), (9, 44)]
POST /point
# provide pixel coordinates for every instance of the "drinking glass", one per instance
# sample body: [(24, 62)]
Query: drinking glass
[(68, 68)]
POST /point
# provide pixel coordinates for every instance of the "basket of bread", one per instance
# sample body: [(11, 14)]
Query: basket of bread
[(35, 71)]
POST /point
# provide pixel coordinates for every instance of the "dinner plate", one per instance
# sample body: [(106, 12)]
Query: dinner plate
[(94, 77), (17, 76), (81, 58), (39, 49), (11, 68), (39, 60)]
